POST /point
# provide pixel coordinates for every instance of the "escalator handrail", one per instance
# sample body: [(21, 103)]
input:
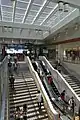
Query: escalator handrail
[(5, 92), (40, 86)]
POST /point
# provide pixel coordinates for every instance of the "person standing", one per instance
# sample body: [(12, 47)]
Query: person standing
[(63, 95), (72, 104)]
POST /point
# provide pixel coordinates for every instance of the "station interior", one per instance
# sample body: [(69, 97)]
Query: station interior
[(39, 59)]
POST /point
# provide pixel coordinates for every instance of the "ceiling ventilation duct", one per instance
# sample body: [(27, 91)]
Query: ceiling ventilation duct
[(61, 5)]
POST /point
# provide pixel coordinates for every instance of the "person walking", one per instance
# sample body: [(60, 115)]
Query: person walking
[(39, 99), (12, 79)]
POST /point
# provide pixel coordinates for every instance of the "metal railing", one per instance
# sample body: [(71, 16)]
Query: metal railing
[(4, 105)]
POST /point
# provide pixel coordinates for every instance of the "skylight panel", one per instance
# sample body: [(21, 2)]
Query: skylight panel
[(7, 9), (32, 13), (7, 19), (34, 7), (6, 14), (18, 20), (40, 2), (6, 2), (21, 5), (19, 16), (47, 10), (20, 11)]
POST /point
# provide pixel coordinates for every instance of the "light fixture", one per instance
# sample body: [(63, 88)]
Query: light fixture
[(61, 5), (66, 7)]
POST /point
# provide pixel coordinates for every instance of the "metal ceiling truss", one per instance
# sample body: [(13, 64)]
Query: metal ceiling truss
[(14, 9), (24, 26), (48, 16), (26, 13), (40, 10)]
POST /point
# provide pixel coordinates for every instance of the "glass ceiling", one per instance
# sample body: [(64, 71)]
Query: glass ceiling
[(37, 12)]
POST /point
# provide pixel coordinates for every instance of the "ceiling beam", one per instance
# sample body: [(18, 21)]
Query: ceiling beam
[(1, 10), (40, 10), (14, 9), (53, 10), (27, 11), (24, 26)]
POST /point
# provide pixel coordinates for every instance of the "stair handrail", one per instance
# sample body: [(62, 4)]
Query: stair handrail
[(53, 114), (4, 90), (59, 76)]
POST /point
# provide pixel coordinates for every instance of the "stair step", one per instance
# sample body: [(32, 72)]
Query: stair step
[(24, 88), (74, 87), (77, 89), (22, 103), (22, 100), (20, 97), (17, 92)]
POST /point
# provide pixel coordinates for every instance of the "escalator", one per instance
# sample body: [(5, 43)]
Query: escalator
[(24, 92), (53, 93), (52, 84)]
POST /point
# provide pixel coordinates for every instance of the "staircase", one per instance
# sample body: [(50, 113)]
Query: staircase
[(72, 80), (25, 91)]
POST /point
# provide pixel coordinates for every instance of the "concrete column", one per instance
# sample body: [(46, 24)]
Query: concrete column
[(60, 51)]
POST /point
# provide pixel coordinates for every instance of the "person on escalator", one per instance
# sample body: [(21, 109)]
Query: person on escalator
[(72, 104), (50, 80), (41, 74), (63, 95), (34, 65)]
